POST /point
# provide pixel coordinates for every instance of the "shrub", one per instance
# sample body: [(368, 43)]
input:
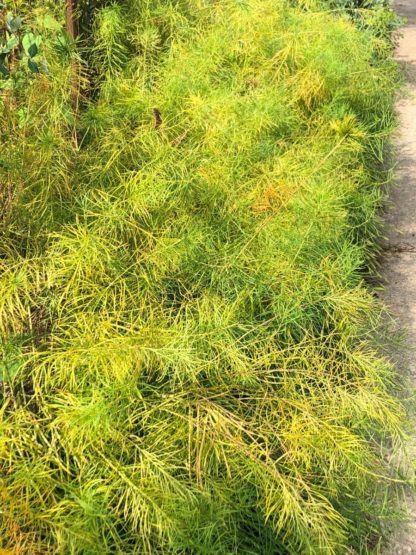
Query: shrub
[(189, 361)]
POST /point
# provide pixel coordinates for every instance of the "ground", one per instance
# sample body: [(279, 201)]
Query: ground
[(399, 259)]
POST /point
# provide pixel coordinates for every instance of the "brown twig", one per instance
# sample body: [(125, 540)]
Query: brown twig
[(158, 117), (71, 19), (72, 30)]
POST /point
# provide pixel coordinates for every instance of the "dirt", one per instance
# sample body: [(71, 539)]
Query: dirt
[(399, 260)]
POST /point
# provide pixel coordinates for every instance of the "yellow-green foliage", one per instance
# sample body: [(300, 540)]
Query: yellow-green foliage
[(188, 347)]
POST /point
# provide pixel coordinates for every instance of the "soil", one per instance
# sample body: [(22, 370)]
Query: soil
[(399, 258)]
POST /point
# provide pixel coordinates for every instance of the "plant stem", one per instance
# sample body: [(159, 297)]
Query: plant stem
[(71, 18), (72, 30)]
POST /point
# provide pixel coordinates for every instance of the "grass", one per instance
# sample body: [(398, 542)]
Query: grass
[(189, 359)]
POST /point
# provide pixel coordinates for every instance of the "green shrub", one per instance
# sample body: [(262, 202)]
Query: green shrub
[(375, 16), (188, 345)]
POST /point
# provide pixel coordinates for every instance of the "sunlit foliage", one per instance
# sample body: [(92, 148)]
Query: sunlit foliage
[(188, 346)]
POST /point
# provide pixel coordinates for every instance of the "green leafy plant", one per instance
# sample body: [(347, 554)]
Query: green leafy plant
[(18, 44), (190, 359)]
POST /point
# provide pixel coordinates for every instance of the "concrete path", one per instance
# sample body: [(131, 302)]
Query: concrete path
[(399, 260)]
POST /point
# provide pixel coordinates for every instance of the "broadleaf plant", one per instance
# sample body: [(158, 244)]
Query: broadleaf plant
[(19, 44)]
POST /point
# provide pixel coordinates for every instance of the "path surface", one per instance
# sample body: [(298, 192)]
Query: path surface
[(399, 260)]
